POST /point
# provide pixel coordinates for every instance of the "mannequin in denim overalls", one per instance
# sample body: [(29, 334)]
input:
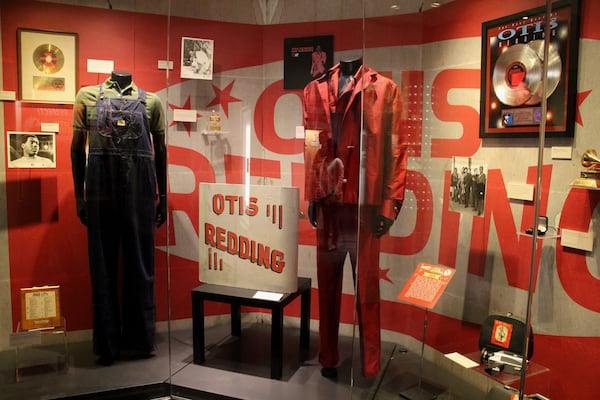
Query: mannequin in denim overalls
[(124, 129)]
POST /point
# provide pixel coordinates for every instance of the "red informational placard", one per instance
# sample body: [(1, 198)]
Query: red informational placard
[(426, 285)]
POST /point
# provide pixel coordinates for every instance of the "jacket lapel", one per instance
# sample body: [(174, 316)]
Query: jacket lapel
[(324, 88), (363, 79)]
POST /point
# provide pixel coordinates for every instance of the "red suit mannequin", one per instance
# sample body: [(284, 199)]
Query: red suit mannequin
[(369, 203)]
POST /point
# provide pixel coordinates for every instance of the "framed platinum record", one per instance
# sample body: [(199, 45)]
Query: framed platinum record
[(512, 65)]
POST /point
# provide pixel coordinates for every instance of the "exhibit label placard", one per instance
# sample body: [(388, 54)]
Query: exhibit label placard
[(426, 285), (249, 236)]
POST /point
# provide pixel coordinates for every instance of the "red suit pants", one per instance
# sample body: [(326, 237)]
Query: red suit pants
[(354, 232)]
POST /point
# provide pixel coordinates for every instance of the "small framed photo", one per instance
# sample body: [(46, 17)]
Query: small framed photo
[(197, 58), (47, 66), (40, 308), (31, 150), (467, 186)]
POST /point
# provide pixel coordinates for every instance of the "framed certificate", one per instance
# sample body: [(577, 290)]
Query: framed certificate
[(40, 307)]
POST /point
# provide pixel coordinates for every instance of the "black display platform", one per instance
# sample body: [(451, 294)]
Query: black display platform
[(238, 297)]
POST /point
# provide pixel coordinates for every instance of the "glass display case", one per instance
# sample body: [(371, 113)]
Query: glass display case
[(305, 199)]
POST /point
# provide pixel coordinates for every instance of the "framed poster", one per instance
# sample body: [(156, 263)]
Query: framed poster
[(513, 53), (197, 58), (47, 66), (305, 59), (31, 150), (40, 307)]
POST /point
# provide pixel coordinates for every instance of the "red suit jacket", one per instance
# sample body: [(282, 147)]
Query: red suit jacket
[(383, 142)]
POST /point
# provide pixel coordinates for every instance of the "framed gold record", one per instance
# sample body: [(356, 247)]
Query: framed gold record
[(47, 66), (515, 56)]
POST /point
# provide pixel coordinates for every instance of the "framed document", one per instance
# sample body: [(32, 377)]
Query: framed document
[(47, 66), (40, 307), (512, 65)]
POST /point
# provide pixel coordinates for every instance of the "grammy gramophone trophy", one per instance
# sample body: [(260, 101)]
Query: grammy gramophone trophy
[(589, 177)]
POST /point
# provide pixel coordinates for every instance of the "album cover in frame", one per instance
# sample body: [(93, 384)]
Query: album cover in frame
[(47, 66), (306, 59), (513, 53)]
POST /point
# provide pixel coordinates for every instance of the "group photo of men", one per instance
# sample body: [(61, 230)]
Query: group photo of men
[(467, 185)]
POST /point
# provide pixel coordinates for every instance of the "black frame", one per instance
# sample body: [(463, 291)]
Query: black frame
[(297, 59), (496, 117)]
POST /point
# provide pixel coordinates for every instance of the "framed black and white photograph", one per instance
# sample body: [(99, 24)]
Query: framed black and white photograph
[(31, 150), (513, 52), (197, 58), (47, 66), (305, 59), (468, 181)]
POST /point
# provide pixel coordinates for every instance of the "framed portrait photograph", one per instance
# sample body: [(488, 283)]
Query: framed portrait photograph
[(47, 66), (31, 150), (512, 65), (305, 59), (197, 58)]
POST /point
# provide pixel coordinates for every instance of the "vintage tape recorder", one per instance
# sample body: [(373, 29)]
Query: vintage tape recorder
[(502, 361)]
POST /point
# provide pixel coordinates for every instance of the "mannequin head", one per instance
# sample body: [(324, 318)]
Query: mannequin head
[(123, 78), (350, 66)]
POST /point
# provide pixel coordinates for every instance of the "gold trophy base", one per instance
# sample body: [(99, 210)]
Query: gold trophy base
[(589, 178), (586, 183)]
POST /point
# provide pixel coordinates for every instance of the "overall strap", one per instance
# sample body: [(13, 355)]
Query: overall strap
[(142, 95)]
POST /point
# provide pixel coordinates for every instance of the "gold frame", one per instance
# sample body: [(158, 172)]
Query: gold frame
[(40, 307), (47, 64)]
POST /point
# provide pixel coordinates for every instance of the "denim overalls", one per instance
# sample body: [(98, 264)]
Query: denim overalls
[(121, 196)]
